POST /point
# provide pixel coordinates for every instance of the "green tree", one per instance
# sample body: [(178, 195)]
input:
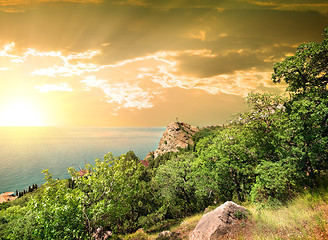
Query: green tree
[(305, 70), (226, 163), (275, 181), (58, 212), (211, 175), (114, 194), (17, 222), (110, 195), (304, 135), (306, 130), (226, 166), (175, 186)]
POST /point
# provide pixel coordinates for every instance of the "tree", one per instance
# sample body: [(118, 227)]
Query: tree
[(113, 192), (307, 69), (58, 212), (110, 195), (175, 186), (304, 135), (306, 130), (275, 181), (211, 175)]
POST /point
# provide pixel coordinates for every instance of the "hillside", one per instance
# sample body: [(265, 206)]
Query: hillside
[(178, 135)]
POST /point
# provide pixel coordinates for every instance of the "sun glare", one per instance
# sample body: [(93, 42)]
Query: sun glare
[(20, 113)]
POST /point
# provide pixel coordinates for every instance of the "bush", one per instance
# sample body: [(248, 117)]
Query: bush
[(274, 183), (4, 205), (138, 235), (241, 215)]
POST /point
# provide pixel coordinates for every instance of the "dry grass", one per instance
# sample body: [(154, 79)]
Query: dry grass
[(186, 226), (182, 230), (305, 217)]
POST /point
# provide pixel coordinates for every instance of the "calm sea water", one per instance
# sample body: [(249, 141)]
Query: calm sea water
[(26, 151)]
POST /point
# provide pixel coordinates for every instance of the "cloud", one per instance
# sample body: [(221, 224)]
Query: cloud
[(92, 82), (166, 71), (298, 5), (67, 70), (16, 6), (60, 87), (236, 83), (220, 5), (140, 82), (135, 83), (5, 69), (124, 94), (67, 65), (128, 96), (7, 49)]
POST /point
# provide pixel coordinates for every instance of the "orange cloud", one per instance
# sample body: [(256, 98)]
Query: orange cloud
[(15, 6), (132, 83), (300, 6), (67, 70), (126, 95), (61, 87)]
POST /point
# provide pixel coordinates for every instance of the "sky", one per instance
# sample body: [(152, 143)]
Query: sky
[(144, 63)]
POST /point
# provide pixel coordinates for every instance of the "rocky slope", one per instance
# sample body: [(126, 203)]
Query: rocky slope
[(177, 135)]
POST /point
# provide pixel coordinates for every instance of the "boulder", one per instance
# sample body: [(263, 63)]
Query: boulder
[(218, 222)]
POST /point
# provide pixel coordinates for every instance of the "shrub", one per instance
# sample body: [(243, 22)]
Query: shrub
[(138, 235), (241, 215), (274, 183)]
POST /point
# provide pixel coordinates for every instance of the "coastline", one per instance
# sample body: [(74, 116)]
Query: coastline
[(7, 197)]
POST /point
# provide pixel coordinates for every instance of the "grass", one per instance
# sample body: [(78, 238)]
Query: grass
[(183, 229), (304, 217)]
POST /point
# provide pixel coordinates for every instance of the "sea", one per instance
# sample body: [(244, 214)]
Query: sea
[(26, 151)]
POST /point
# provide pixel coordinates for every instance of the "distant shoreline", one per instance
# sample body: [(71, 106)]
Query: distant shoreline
[(7, 197)]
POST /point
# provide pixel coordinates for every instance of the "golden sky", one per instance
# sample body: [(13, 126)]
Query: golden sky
[(144, 62)]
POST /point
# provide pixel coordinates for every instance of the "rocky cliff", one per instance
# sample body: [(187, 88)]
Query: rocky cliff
[(177, 135)]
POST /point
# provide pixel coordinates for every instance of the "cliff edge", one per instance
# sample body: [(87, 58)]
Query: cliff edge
[(177, 135)]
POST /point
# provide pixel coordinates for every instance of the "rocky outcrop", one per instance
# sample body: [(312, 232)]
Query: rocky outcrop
[(177, 135), (7, 197), (218, 222)]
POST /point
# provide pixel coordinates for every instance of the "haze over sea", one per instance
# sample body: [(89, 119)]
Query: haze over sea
[(26, 151)]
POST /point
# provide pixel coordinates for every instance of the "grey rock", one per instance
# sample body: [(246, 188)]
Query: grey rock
[(164, 235), (217, 223)]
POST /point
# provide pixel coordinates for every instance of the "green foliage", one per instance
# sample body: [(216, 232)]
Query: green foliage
[(275, 180), (175, 186), (16, 222), (113, 192), (138, 235), (305, 70), (161, 159), (206, 132), (211, 176), (113, 195), (305, 134), (241, 215), (225, 165), (59, 214), (4, 205)]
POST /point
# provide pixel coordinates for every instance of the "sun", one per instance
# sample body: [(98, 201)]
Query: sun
[(20, 113)]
